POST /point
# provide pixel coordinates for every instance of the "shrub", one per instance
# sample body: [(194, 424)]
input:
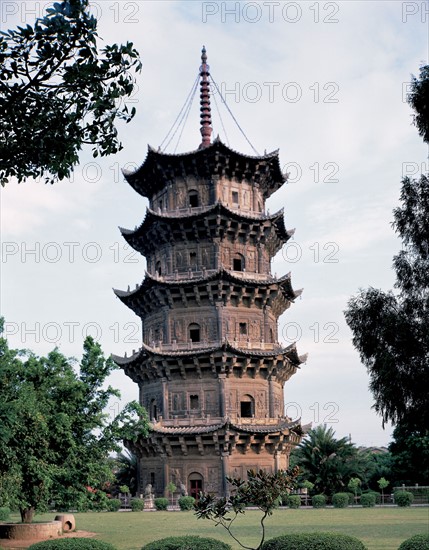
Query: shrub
[(161, 503), (294, 501), (352, 499), (340, 500), (318, 501), (4, 513), (418, 542), (72, 544), (186, 503), (284, 499), (377, 496), (187, 543), (316, 541), (113, 504), (137, 504), (403, 498), (367, 500)]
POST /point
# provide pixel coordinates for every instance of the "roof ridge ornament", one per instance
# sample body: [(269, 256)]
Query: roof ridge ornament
[(205, 109)]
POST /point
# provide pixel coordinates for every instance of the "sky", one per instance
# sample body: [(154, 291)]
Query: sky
[(323, 82)]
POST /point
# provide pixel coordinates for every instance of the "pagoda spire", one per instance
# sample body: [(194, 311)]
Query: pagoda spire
[(205, 116)]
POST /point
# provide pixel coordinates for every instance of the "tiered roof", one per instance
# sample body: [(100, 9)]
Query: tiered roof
[(214, 160), (208, 222), (154, 363), (155, 292)]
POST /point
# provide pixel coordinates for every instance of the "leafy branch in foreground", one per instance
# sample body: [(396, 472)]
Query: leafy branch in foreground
[(59, 92), (261, 490)]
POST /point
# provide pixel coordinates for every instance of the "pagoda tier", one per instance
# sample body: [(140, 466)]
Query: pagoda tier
[(210, 288), (274, 362), (226, 437), (214, 161), (205, 223)]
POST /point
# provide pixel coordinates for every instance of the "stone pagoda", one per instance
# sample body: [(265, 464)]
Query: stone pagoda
[(210, 370)]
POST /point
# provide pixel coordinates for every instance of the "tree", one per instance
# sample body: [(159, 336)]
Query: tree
[(171, 489), (382, 483), (59, 92), (419, 101), (353, 485), (327, 462), (410, 455), (391, 329), (261, 489), (54, 435), (125, 469)]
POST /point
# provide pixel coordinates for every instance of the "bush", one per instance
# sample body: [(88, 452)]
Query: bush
[(72, 544), (340, 500), (318, 501), (352, 499), (137, 504), (377, 496), (367, 500), (316, 541), (418, 542), (113, 504), (284, 499), (186, 503), (4, 513), (187, 543), (161, 503), (403, 498), (294, 501)]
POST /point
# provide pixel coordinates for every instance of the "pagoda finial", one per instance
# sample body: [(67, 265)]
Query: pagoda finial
[(205, 110)]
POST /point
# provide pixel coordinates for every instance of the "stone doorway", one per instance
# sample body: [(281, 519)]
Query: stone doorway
[(195, 484)]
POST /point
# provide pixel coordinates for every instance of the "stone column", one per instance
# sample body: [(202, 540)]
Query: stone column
[(219, 312), (277, 465), (165, 411), (166, 474), (260, 266), (225, 472), (271, 398), (222, 399), (167, 335)]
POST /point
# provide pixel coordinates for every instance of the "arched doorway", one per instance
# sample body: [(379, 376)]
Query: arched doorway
[(247, 406), (238, 262), (194, 332), (153, 412), (195, 485), (193, 198)]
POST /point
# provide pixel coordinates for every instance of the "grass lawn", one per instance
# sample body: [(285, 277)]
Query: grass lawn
[(377, 528)]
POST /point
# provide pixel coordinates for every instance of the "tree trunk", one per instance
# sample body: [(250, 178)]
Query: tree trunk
[(27, 514)]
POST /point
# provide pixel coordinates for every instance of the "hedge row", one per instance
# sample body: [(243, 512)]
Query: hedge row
[(72, 544), (418, 542), (187, 543), (314, 541)]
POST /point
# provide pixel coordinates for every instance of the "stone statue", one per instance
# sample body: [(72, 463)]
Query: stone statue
[(183, 491), (148, 491)]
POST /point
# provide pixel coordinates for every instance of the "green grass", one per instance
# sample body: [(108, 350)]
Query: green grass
[(377, 528)]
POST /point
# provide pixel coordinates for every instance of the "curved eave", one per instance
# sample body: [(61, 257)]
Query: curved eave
[(132, 235), (284, 427), (159, 168), (284, 283), (281, 427), (290, 353)]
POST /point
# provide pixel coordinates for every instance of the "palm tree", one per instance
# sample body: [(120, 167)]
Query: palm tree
[(327, 462), (126, 470)]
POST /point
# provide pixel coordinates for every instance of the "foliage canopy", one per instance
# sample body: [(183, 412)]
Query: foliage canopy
[(58, 91), (55, 437)]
